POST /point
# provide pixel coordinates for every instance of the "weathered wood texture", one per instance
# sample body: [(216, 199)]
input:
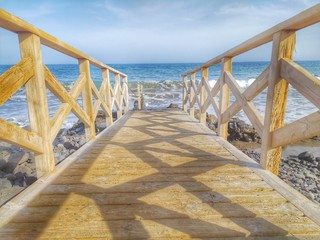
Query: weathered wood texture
[(283, 46), (157, 175), (281, 72), (36, 77), (37, 101)]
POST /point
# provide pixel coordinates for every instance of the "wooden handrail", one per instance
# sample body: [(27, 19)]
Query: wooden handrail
[(36, 77), (302, 20), (15, 24), (281, 72)]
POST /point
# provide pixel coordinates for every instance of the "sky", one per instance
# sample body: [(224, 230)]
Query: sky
[(157, 31)]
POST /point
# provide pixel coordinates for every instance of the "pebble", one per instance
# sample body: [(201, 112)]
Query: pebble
[(299, 172), (307, 156)]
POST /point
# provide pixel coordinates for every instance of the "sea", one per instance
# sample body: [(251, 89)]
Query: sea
[(162, 85)]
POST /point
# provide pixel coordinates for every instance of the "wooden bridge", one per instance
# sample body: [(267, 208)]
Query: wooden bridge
[(159, 174)]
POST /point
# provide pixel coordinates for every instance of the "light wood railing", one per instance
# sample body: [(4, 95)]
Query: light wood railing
[(281, 72), (36, 77)]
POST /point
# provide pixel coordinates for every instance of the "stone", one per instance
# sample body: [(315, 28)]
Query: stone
[(23, 169), (173, 105), (30, 179), (306, 156), (246, 138), (60, 146), (3, 164), (68, 145), (2, 174), (5, 183), (5, 155)]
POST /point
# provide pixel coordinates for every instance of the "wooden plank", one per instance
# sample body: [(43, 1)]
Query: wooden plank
[(196, 91), (15, 24), (13, 79), (192, 94), (118, 95), (283, 47), (249, 94), (106, 89), (226, 65), (149, 211), (18, 136), (100, 102), (306, 84), (61, 93), (37, 102), (84, 67), (309, 208), (304, 19), (9, 210), (304, 128), (112, 190), (185, 94), (203, 95), (65, 108), (166, 228), (248, 107), (112, 199), (210, 99), (125, 94)]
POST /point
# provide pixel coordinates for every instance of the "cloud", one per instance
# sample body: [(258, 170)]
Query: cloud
[(166, 31)]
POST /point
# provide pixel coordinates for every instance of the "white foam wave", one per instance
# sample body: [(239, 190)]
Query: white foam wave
[(242, 83)]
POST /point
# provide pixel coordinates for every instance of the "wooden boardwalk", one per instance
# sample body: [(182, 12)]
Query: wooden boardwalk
[(158, 174)]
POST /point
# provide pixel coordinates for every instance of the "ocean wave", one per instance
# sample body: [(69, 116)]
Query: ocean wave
[(242, 83)]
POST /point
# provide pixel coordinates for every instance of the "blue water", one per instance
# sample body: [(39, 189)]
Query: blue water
[(162, 85)]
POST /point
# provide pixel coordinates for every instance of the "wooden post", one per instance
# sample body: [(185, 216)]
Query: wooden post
[(203, 95), (283, 47), (107, 96), (192, 93), (226, 65), (30, 46), (118, 94), (84, 67), (185, 93), (126, 93), (139, 97)]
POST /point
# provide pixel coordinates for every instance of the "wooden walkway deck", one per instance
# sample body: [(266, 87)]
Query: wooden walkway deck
[(159, 174)]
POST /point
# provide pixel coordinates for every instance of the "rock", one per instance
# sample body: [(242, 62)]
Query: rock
[(5, 155), (3, 164), (246, 138), (82, 141), (306, 156), (30, 179), (310, 195), (60, 146), (68, 145), (24, 158), (23, 169), (5, 183), (136, 105), (173, 105), (318, 160), (2, 174)]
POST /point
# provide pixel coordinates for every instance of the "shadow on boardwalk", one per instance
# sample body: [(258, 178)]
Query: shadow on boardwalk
[(170, 202)]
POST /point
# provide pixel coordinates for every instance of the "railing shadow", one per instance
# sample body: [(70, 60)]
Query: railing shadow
[(83, 207)]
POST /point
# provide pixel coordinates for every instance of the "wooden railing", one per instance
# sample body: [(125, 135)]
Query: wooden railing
[(281, 72), (36, 77)]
